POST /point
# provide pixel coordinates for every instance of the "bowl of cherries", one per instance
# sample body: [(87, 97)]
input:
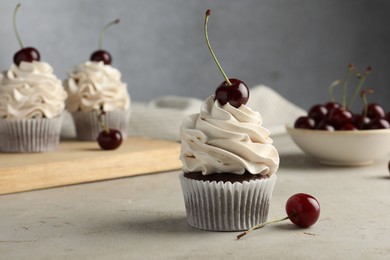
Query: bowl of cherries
[(335, 135)]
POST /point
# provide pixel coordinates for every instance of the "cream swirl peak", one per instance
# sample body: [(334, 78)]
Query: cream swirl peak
[(94, 86), (31, 90), (227, 139)]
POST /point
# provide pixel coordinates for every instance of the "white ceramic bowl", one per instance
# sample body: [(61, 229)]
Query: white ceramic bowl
[(343, 148)]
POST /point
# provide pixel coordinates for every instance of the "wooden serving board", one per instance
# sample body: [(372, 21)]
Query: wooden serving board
[(79, 162)]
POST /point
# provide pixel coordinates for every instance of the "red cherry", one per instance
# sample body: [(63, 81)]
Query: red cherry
[(387, 117), (318, 112), (339, 117), (332, 105), (305, 122), (27, 54), (232, 91), (303, 210), (379, 123), (101, 55), (109, 140), (360, 121), (349, 127), (236, 94), (325, 125), (375, 111)]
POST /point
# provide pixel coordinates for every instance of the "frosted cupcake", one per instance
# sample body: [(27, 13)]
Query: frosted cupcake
[(31, 106), (94, 87), (229, 162)]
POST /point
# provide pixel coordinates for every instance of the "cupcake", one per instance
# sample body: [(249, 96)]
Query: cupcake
[(31, 106), (229, 162), (229, 166), (94, 87)]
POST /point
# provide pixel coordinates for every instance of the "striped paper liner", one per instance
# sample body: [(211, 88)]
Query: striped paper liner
[(30, 135), (219, 206)]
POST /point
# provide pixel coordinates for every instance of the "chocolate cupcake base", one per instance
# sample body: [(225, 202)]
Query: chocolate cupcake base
[(226, 206)]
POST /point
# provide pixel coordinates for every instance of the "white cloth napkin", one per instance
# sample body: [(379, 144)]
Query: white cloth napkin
[(161, 118)]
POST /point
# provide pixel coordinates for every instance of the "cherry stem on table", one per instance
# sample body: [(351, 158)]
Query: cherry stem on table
[(206, 20), (260, 226)]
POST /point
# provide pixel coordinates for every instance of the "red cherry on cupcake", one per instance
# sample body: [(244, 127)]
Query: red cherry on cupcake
[(232, 91), (26, 54), (108, 138), (100, 54), (302, 209)]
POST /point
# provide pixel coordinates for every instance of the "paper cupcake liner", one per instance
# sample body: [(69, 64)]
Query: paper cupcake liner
[(88, 126), (30, 135), (218, 206)]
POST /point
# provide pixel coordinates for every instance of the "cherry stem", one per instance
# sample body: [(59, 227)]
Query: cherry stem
[(331, 87), (360, 84), (260, 226), (345, 85), (100, 119), (363, 95), (15, 28), (104, 30), (206, 20)]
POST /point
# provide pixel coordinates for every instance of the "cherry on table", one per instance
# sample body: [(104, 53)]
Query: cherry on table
[(302, 209), (109, 139)]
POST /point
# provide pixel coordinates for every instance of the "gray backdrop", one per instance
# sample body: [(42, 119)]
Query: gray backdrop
[(295, 46)]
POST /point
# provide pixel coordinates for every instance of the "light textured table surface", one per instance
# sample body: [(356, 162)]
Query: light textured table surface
[(144, 218)]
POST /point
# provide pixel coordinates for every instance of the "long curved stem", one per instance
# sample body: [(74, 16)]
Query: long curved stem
[(206, 20), (15, 28), (101, 37), (260, 226)]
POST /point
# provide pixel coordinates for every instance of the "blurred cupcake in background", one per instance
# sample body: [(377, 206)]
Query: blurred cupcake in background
[(95, 87)]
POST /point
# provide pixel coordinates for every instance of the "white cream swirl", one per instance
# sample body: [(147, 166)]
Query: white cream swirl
[(93, 86), (31, 90), (226, 139)]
